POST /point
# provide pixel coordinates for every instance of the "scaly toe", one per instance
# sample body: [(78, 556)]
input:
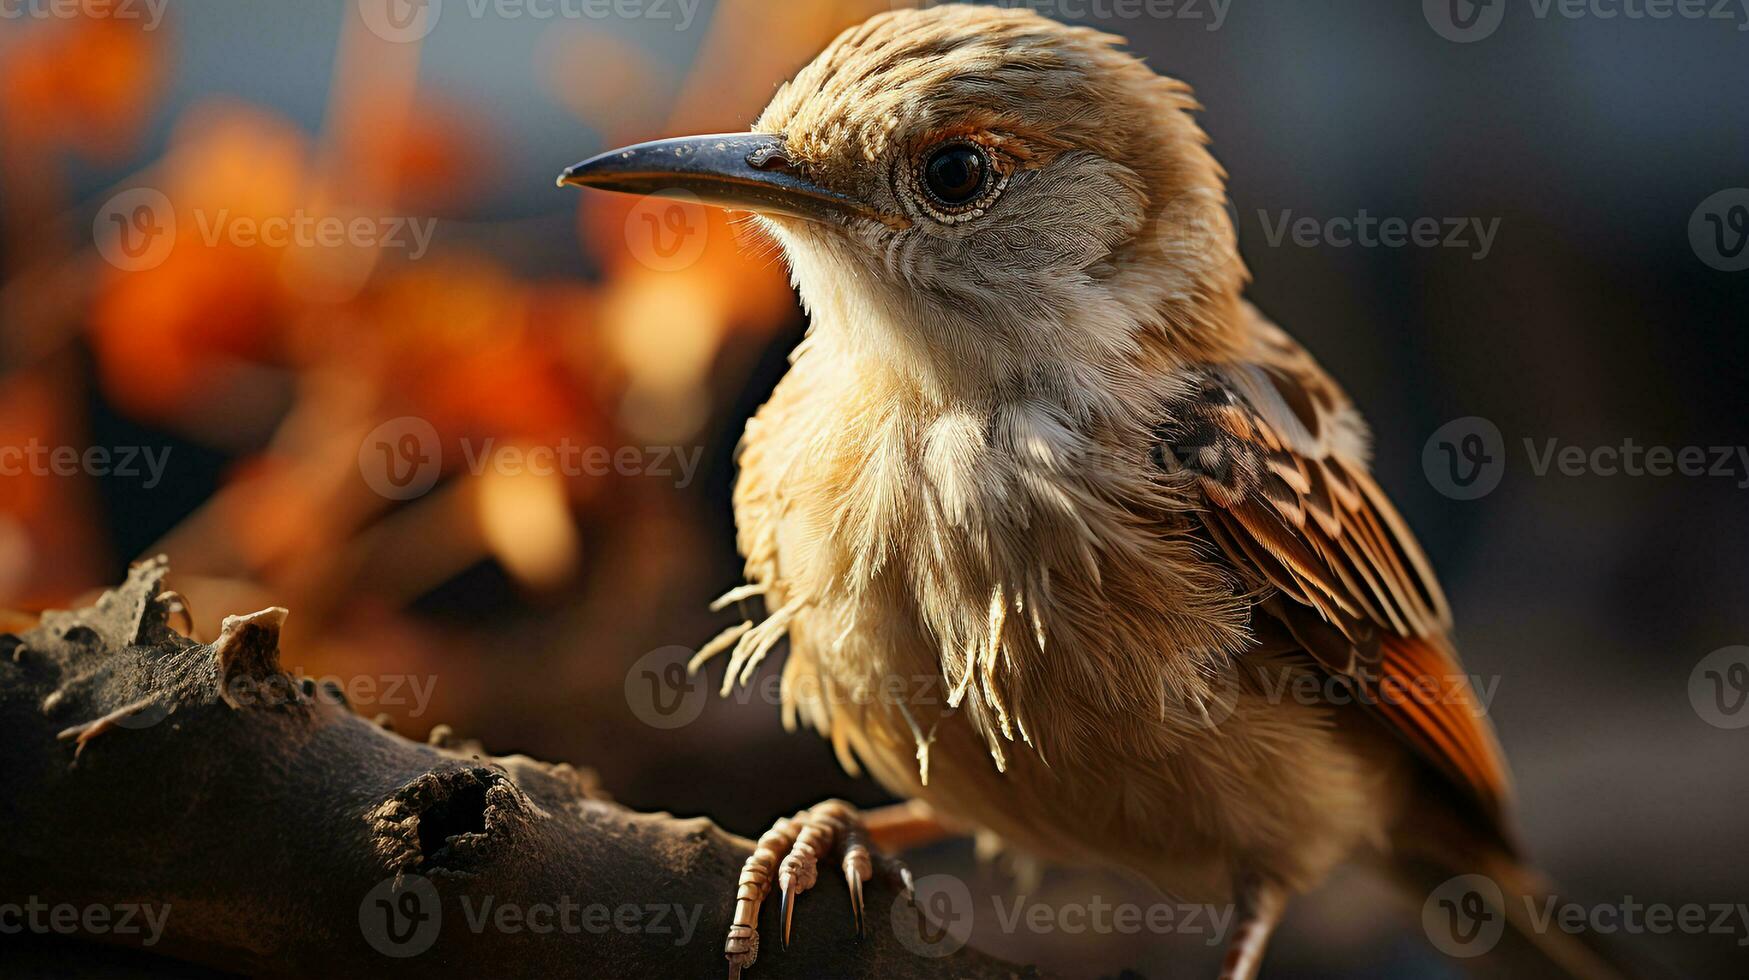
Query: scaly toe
[(791, 852), (820, 827), (742, 946)]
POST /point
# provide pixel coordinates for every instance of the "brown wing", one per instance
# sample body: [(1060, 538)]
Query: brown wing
[(1279, 456)]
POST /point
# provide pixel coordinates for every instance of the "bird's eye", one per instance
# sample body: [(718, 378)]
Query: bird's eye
[(956, 174)]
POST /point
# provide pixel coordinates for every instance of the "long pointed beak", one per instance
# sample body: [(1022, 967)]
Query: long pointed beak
[(746, 171)]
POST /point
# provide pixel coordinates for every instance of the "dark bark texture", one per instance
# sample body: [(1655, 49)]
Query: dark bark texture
[(276, 833)]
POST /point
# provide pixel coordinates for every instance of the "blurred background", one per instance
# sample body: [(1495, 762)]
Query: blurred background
[(300, 272)]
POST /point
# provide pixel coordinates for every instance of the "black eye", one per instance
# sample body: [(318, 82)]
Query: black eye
[(955, 174)]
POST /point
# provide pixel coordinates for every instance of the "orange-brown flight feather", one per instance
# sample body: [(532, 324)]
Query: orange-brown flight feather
[(1292, 506)]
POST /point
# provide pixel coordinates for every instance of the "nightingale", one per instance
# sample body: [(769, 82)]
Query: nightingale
[(1073, 547)]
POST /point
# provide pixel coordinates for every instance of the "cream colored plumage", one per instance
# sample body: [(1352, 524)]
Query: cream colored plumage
[(969, 492), (1050, 516)]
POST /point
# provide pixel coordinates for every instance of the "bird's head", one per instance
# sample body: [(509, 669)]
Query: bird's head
[(981, 196)]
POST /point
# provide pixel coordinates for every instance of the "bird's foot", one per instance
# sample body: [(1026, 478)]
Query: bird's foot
[(1260, 905), (790, 852)]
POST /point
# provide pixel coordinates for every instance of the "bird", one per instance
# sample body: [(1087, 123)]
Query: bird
[(1072, 546)]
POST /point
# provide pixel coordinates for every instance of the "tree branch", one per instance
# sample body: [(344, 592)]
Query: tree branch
[(271, 831)]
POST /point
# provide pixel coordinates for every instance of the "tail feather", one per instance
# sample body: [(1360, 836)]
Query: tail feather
[(1479, 898), (1578, 954), (1493, 905)]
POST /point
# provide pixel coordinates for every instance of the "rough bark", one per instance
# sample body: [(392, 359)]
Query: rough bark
[(279, 834)]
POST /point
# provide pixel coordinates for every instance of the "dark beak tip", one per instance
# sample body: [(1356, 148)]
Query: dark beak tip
[(739, 171)]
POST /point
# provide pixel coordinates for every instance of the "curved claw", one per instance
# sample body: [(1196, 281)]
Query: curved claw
[(789, 910), (855, 882), (858, 867), (790, 852)]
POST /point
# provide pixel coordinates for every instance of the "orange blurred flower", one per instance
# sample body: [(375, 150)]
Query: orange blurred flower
[(82, 83), (166, 336), (48, 542)]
